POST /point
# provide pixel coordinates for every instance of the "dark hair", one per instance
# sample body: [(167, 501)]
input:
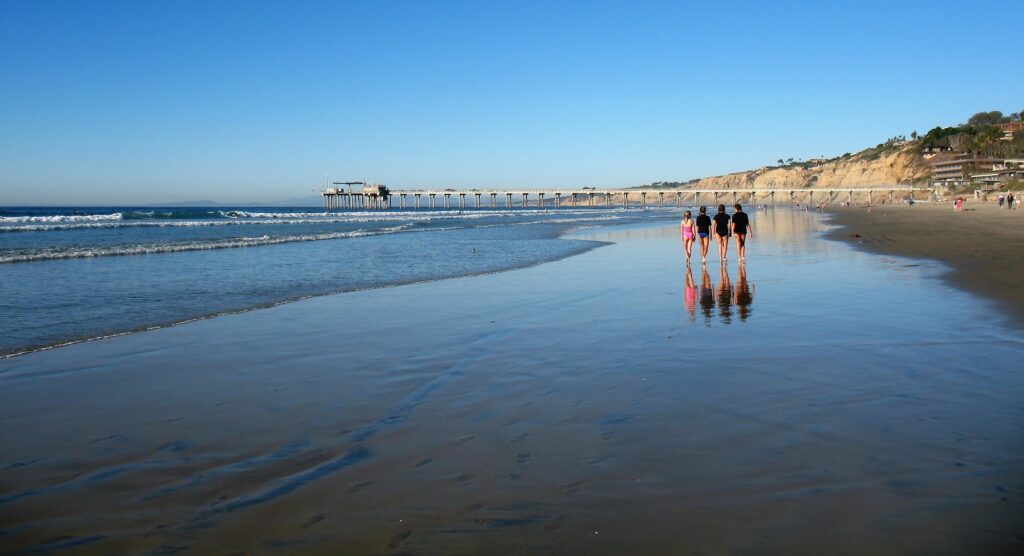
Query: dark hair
[(721, 208), (737, 206), (686, 214), (703, 210)]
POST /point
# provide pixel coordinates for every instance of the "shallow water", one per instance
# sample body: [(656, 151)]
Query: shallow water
[(72, 274), (580, 406)]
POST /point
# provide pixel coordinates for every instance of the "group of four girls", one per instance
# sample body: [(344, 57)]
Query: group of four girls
[(723, 226)]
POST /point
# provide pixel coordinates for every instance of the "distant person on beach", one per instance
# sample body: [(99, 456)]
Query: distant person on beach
[(1018, 201), (742, 229), (704, 233), (959, 204), (722, 233), (1009, 201), (688, 230), (1001, 200)]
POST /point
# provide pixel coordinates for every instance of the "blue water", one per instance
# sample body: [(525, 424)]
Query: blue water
[(75, 273)]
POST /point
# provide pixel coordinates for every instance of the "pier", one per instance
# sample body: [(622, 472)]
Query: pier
[(380, 197)]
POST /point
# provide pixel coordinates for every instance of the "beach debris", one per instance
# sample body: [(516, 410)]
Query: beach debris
[(854, 235)]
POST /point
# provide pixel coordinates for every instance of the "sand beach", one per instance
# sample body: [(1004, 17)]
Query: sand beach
[(982, 247), (592, 405)]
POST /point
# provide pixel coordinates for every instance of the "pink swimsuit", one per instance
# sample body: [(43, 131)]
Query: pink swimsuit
[(688, 232)]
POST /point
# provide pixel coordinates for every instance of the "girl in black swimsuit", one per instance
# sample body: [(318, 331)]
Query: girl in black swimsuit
[(722, 233)]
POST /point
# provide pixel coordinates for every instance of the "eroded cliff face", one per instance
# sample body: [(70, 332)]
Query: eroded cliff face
[(860, 170)]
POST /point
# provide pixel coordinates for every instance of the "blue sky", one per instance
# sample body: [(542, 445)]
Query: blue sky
[(145, 102)]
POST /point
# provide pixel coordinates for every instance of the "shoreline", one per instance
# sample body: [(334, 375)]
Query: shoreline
[(980, 247)]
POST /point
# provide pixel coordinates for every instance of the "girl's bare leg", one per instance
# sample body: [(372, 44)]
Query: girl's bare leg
[(688, 247)]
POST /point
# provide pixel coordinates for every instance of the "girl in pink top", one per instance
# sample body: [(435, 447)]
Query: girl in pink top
[(689, 231)]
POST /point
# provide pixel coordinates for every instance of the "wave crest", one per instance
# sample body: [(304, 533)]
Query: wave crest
[(61, 218)]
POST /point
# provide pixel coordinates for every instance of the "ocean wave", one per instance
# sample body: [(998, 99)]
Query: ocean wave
[(82, 222), (376, 214), (60, 218), (147, 249), (172, 214), (164, 224)]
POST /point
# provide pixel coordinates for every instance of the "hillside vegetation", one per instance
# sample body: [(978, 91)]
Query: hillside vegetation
[(980, 136)]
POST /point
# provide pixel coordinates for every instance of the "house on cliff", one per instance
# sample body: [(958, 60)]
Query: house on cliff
[(1010, 129), (955, 170)]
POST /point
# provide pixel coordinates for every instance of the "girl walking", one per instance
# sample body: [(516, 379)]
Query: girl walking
[(722, 233), (704, 233), (688, 229)]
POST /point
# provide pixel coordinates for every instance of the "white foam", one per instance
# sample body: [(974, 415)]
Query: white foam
[(60, 218), (79, 253), (161, 224)]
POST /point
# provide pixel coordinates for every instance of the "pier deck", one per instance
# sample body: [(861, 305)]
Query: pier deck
[(512, 198)]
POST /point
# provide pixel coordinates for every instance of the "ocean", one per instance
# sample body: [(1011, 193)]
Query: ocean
[(75, 273)]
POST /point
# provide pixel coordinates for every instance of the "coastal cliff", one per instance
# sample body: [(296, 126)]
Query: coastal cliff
[(878, 166)]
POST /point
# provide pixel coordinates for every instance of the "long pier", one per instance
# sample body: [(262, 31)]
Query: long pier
[(524, 198)]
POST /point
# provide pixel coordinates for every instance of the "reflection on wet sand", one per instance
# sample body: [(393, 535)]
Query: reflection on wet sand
[(743, 294), (724, 295), (690, 295)]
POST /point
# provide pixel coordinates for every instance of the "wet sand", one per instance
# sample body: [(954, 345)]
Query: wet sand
[(982, 246), (600, 404)]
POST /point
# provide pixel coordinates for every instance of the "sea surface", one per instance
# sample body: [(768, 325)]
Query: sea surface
[(75, 273)]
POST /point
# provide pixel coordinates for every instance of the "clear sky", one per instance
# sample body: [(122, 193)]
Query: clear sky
[(145, 102)]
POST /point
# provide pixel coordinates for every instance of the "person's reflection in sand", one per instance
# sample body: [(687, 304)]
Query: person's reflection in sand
[(707, 295), (743, 293), (690, 295), (724, 294)]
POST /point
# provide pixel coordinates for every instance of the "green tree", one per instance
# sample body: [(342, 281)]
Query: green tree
[(986, 118)]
